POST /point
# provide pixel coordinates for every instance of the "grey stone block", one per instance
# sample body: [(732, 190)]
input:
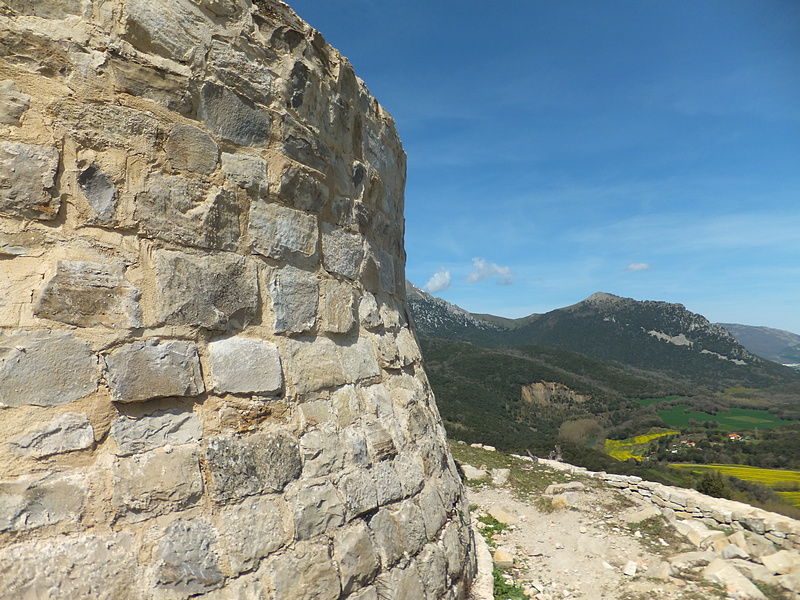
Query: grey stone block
[(13, 103), (317, 508), (245, 366), (355, 554), (65, 433), (232, 116), (89, 294), (241, 467), (64, 367), (240, 71), (165, 427), (41, 499), (186, 559), (188, 211), (252, 530), (295, 298), (360, 360), (322, 452), (191, 149), (359, 493), (387, 483), (206, 291), (85, 566), (303, 189), (100, 192), (245, 171), (27, 179), (337, 309), (147, 369), (157, 482), (404, 582), (172, 29), (314, 365), (307, 573), (282, 233), (342, 252)]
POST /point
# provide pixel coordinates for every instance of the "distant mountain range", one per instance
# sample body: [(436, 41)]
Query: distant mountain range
[(772, 344)]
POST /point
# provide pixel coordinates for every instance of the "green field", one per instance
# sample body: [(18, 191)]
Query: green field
[(651, 401), (635, 447), (735, 419), (776, 479)]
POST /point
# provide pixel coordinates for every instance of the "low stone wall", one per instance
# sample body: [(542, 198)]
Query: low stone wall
[(680, 503), (209, 386)]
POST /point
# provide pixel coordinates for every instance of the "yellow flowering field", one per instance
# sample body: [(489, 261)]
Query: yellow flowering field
[(773, 478), (634, 447)]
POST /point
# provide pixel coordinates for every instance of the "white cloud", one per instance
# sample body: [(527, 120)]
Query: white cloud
[(440, 281), (486, 270), (638, 267)]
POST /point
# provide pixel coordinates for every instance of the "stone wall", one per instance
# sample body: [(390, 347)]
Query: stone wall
[(208, 381)]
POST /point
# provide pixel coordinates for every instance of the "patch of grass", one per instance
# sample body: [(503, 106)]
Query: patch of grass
[(544, 504), (655, 529), (507, 591), (489, 527), (734, 419), (772, 592)]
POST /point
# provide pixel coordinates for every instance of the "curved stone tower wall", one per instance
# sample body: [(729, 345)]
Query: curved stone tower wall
[(208, 382)]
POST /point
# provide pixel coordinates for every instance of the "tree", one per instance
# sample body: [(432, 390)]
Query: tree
[(712, 483)]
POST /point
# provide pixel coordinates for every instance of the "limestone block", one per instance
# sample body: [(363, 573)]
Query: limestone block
[(89, 294), (241, 467), (167, 86), (157, 482), (337, 309), (295, 298), (687, 560), (504, 558), (27, 178), (733, 551), (358, 490), (317, 508), (386, 532), (432, 566), (387, 483), (368, 313), (245, 366), (303, 189), (342, 252), (317, 411), (648, 512), (100, 191), (245, 171), (164, 427), (206, 291), (355, 554), (355, 447), (306, 148), (232, 116), (62, 365), (791, 581), (367, 593), (360, 360), (782, 562), (347, 406), (175, 30), (409, 470), (758, 545), (376, 400), (252, 530), (379, 441), (411, 523), (13, 103), (455, 549), (282, 233), (314, 365), (191, 149), (188, 211), (308, 573), (147, 369), (186, 559), (122, 127), (724, 573), (404, 582), (323, 452), (386, 264), (65, 433), (244, 73), (86, 566), (40, 499), (434, 513)]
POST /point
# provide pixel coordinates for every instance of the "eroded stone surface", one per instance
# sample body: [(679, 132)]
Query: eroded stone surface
[(295, 298), (245, 366), (37, 500), (186, 558), (192, 149), (165, 427), (27, 179), (308, 573), (65, 433), (13, 103), (252, 530)]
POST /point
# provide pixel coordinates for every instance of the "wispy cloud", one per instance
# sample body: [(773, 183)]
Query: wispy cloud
[(440, 281), (638, 266), (485, 270)]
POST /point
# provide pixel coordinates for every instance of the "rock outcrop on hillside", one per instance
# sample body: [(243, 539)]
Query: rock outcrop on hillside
[(208, 381)]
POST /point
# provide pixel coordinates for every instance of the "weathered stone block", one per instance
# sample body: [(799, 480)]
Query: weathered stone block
[(248, 172), (252, 530), (186, 559), (355, 554), (359, 493), (337, 310), (409, 470), (380, 441), (189, 212), (307, 573), (322, 452), (84, 566), (405, 582), (147, 369), (360, 361), (314, 365), (164, 427), (246, 74), (342, 252), (433, 570), (368, 312), (295, 298), (303, 189), (355, 447), (122, 127), (232, 116), (387, 483), (100, 192), (63, 367), (89, 294), (157, 482), (176, 30), (259, 463), (244, 366), (191, 149), (317, 508), (13, 103), (65, 433), (282, 233), (42, 499), (206, 291), (27, 178)]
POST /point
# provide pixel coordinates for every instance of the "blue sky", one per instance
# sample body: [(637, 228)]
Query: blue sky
[(558, 148)]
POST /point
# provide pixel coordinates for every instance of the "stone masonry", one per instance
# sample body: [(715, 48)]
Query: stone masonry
[(209, 386)]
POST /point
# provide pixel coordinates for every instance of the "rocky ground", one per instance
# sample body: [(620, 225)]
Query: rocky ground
[(554, 535)]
